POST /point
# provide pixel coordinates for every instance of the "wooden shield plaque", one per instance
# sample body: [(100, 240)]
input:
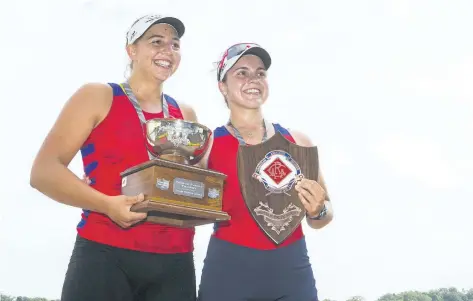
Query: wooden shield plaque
[(268, 173)]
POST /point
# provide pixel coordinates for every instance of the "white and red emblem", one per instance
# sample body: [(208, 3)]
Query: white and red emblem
[(278, 172)]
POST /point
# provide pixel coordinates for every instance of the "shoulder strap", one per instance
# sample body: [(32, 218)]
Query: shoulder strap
[(280, 129)]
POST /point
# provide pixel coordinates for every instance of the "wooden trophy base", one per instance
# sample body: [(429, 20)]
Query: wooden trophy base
[(176, 194)]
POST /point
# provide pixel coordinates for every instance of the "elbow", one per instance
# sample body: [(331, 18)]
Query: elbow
[(35, 177), (38, 174)]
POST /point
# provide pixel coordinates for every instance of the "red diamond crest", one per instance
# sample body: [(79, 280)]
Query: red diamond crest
[(277, 171)]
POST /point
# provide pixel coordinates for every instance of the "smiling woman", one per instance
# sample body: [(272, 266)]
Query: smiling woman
[(246, 257), (155, 54), (117, 256)]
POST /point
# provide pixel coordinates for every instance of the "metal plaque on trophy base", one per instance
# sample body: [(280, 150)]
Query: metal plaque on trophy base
[(267, 174), (177, 192)]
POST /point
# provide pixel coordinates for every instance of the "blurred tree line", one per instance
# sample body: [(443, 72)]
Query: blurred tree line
[(443, 294)]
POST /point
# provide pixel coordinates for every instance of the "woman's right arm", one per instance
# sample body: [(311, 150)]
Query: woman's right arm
[(87, 107)]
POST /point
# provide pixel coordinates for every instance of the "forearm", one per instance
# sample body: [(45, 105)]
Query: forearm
[(56, 181), (319, 224)]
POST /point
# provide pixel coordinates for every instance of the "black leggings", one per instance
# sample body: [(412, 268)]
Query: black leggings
[(99, 272)]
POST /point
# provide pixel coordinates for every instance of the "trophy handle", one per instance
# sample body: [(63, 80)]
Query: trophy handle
[(202, 149), (145, 135)]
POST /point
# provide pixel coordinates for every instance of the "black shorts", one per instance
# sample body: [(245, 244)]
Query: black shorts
[(99, 272)]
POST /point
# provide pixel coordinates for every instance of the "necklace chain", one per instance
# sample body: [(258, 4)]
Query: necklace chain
[(239, 136)]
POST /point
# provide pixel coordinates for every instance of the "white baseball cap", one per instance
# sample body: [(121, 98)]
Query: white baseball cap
[(235, 52), (140, 26)]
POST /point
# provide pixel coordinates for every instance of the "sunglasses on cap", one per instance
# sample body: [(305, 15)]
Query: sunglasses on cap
[(233, 53)]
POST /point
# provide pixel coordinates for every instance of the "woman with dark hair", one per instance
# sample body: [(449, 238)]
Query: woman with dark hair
[(118, 256), (242, 263)]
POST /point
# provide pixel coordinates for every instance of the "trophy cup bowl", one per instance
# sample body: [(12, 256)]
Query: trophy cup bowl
[(177, 140), (177, 192)]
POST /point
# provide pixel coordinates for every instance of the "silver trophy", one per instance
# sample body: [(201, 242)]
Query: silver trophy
[(177, 191), (177, 140)]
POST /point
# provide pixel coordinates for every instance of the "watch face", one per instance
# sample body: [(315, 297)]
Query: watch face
[(321, 214), (324, 209)]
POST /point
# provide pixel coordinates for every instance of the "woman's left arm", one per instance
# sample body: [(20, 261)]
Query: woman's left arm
[(313, 194)]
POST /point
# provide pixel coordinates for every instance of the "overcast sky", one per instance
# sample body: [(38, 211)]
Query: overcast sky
[(384, 88)]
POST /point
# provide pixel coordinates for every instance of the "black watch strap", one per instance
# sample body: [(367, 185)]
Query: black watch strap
[(321, 215)]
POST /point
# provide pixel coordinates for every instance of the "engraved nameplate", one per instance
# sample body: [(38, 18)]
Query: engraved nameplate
[(188, 188)]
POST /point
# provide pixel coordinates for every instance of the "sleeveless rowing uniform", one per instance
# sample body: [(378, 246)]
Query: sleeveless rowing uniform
[(242, 263), (115, 145), (147, 258)]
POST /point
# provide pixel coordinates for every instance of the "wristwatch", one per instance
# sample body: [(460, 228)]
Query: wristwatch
[(321, 215)]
